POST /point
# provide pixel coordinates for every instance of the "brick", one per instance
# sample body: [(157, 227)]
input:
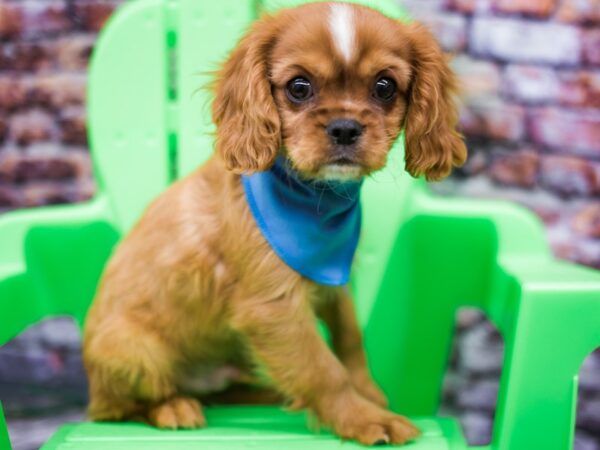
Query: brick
[(589, 381), (48, 193), (86, 187), (525, 41), (42, 18), (516, 168), (589, 414), (58, 90), (477, 162), (40, 193), (569, 176), (583, 440), (3, 129), (32, 19), (587, 254), (491, 118), (422, 7), (44, 162), (570, 131), (469, 6), (72, 124), (449, 29), (73, 53), (587, 221), (580, 88), (589, 417), (581, 251), (480, 394), (467, 318), (579, 11), (8, 158), (9, 198), (478, 78), (31, 126), (537, 8), (481, 350), (12, 93), (36, 169), (11, 19), (591, 46), (26, 56), (21, 168), (92, 15), (548, 214), (544, 85), (478, 427), (530, 84)]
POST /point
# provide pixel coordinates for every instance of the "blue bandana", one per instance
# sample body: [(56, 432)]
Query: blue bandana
[(313, 226)]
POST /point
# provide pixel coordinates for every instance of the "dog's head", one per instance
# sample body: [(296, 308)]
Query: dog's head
[(331, 85)]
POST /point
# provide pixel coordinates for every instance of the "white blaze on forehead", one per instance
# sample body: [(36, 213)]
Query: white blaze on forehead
[(341, 24)]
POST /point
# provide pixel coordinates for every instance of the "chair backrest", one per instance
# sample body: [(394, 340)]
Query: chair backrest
[(149, 117), (150, 121)]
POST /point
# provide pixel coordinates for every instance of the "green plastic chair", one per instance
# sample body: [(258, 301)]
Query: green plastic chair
[(421, 257)]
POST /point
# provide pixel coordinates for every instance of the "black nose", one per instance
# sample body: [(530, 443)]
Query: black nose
[(344, 131)]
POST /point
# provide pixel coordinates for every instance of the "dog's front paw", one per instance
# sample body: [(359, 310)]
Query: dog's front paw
[(360, 420), (386, 429), (177, 412)]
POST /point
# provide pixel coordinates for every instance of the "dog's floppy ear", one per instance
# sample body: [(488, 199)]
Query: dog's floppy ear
[(248, 125), (433, 146)]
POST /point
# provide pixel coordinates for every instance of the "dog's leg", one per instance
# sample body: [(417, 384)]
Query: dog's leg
[(282, 334), (337, 311), (130, 375)]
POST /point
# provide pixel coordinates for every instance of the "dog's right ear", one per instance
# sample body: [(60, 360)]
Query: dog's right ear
[(248, 125)]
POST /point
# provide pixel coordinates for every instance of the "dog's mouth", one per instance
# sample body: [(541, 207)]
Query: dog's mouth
[(341, 166), (343, 160), (345, 170)]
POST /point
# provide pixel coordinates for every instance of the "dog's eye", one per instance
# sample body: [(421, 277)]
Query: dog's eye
[(299, 90), (384, 89)]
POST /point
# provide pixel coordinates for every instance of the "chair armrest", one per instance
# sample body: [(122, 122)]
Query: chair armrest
[(15, 225), (512, 236), (549, 314), (44, 256), (519, 232), (23, 299), (446, 254), (555, 310)]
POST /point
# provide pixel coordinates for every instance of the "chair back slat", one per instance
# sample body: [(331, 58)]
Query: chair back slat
[(206, 32), (127, 102)]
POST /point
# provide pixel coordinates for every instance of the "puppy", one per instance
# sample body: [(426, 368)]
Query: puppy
[(224, 275)]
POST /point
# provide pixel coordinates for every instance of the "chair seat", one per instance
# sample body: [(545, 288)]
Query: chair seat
[(239, 427)]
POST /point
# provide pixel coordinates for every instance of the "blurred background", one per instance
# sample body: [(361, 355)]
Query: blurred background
[(530, 73)]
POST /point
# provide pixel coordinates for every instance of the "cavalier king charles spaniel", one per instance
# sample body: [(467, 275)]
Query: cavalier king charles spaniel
[(222, 280)]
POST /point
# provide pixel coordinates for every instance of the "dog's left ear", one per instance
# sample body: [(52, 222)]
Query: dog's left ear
[(433, 146), (248, 124)]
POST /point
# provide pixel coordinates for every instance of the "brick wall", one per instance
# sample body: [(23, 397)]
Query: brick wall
[(531, 113), (44, 50)]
